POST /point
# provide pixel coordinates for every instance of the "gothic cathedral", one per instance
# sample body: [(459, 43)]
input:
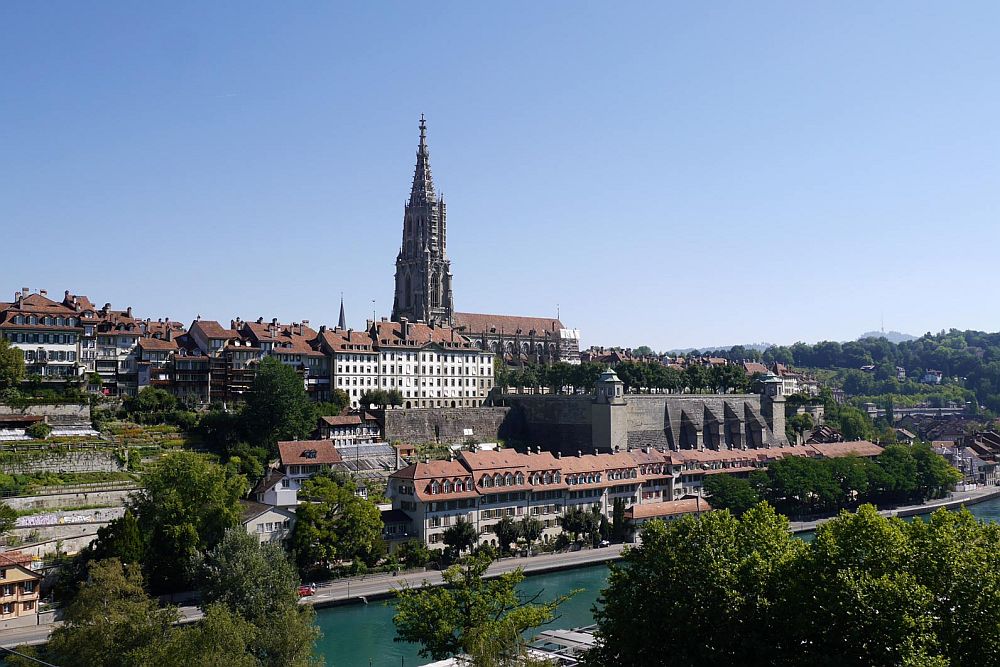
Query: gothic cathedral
[(423, 271)]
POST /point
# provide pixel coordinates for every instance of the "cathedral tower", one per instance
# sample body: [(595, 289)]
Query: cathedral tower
[(423, 272)]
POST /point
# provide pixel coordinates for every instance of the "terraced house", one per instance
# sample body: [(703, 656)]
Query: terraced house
[(482, 487)]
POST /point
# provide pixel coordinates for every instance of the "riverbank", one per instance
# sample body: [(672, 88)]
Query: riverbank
[(360, 590), (379, 587), (953, 501)]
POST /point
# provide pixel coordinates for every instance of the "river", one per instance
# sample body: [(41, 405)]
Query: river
[(361, 635)]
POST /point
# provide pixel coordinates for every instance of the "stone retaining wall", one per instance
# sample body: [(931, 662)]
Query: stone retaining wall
[(447, 425), (30, 461)]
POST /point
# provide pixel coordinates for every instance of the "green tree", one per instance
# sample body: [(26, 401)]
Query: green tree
[(619, 531), (277, 407), (898, 479), (798, 424), (726, 492), (8, 518), (413, 553), (112, 622), (121, 539), (691, 570), (221, 639), (394, 398), (461, 536), (11, 365), (251, 578), (151, 400), (335, 525), (935, 477), (377, 397), (483, 618), (339, 401), (506, 530), (530, 529), (185, 507), (257, 583)]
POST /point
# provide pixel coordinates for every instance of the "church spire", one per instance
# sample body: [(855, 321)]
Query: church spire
[(342, 323), (423, 183)]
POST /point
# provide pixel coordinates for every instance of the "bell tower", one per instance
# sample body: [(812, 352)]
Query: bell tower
[(423, 271)]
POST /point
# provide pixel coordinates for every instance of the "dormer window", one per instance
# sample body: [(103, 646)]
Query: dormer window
[(435, 487)]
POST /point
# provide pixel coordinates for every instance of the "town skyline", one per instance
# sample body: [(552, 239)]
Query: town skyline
[(742, 161)]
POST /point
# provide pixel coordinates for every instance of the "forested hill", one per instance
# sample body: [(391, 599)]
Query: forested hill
[(967, 359)]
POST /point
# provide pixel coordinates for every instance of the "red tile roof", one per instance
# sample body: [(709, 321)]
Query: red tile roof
[(855, 447), (293, 452), (509, 324), (212, 329), (667, 508), (342, 420)]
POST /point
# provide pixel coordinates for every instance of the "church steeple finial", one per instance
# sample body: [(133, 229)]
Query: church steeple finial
[(342, 323), (423, 183)]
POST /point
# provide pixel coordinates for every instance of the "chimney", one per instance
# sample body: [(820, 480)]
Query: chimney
[(128, 311), (322, 328), (43, 292), (274, 321), (24, 291), (579, 453), (558, 455), (260, 320)]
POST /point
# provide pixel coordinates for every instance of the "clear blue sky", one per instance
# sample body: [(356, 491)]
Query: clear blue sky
[(671, 174)]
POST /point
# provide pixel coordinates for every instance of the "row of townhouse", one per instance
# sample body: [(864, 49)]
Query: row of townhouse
[(482, 487), (429, 365)]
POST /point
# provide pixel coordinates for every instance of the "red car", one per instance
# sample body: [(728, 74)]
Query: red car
[(306, 591)]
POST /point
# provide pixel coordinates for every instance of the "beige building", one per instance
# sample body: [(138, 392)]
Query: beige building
[(19, 594)]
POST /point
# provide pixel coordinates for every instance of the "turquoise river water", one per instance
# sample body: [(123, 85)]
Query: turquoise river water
[(361, 635)]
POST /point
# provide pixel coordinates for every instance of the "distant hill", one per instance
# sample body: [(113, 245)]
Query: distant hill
[(894, 337), (760, 347)]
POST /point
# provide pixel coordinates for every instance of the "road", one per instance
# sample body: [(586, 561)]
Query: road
[(343, 590)]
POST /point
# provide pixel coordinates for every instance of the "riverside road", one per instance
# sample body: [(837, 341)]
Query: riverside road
[(356, 589)]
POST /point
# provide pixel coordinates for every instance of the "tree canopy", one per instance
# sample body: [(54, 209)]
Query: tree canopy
[(335, 525), (185, 507), (277, 407), (11, 365), (867, 591), (482, 618)]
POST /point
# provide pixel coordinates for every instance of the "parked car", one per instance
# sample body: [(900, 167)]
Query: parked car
[(306, 591), (604, 543)]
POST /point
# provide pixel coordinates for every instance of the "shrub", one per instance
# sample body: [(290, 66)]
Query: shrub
[(38, 430)]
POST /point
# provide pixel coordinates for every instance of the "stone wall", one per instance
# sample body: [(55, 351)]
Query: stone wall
[(555, 423), (55, 501), (29, 461), (448, 425), (567, 424), (57, 415)]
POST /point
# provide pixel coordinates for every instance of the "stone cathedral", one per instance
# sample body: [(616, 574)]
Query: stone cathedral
[(423, 271), (424, 291)]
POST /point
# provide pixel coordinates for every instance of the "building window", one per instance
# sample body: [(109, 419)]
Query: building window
[(29, 605), (29, 587), (8, 608)]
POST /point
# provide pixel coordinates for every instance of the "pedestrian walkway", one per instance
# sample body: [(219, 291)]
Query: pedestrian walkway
[(952, 501)]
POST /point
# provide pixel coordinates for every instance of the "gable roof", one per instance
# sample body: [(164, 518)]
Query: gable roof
[(510, 324), (300, 452)]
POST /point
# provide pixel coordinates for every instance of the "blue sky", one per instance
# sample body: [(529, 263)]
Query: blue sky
[(670, 174)]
